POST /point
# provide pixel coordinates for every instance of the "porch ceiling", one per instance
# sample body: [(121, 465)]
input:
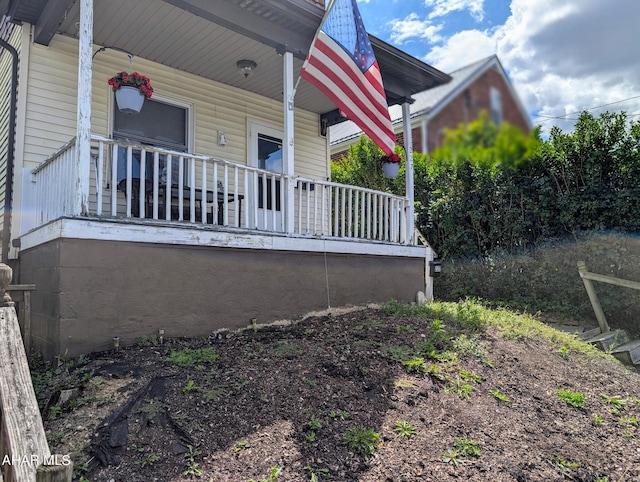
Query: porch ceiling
[(207, 39)]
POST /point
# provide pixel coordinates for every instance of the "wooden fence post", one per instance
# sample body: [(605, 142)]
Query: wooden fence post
[(55, 473), (593, 297)]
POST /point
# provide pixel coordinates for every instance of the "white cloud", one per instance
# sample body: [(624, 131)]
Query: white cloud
[(412, 27), (444, 7), (567, 56), (563, 56), (461, 49)]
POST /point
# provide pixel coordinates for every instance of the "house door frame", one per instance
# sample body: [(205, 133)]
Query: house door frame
[(260, 131)]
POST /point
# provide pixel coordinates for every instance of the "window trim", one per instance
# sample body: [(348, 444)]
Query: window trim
[(172, 101)]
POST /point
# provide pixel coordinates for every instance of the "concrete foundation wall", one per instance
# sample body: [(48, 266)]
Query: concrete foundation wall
[(88, 291)]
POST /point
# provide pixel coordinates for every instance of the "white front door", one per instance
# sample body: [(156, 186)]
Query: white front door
[(265, 152)]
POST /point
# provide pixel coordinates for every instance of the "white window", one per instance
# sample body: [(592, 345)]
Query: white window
[(496, 106)]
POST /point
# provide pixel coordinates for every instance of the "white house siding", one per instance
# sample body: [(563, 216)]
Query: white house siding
[(6, 64)]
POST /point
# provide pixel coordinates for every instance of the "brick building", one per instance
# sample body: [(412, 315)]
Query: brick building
[(482, 85)]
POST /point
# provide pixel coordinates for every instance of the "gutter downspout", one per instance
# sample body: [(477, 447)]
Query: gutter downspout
[(8, 199)]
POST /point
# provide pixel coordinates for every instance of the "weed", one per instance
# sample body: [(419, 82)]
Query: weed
[(148, 459), (597, 419), (314, 423), (499, 395), (309, 381), (54, 411), (310, 437), (563, 351), (633, 421), (404, 428), (55, 438), (469, 376), (273, 475), (190, 387), (343, 414), (214, 395), (415, 365), (190, 357), (467, 447), (323, 472), (405, 329), (617, 402), (451, 457), (564, 465), (404, 383), (240, 446), (148, 340), (152, 408), (396, 353), (241, 384), (284, 349), (468, 345), (191, 466), (460, 388), (575, 399), (363, 441)]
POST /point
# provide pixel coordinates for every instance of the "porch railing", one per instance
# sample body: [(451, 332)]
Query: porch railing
[(136, 181)]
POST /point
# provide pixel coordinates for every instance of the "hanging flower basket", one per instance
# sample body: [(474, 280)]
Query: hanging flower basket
[(131, 90), (390, 165), (129, 100)]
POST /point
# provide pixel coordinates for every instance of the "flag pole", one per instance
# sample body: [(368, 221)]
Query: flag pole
[(326, 14)]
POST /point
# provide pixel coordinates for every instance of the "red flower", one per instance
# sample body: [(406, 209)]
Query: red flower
[(137, 80), (391, 158)]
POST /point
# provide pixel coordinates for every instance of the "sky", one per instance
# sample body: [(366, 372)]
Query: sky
[(562, 56)]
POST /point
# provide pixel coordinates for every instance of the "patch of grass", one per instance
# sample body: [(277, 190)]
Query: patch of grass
[(240, 446), (284, 349), (190, 357), (469, 376), (404, 384), (404, 428), (465, 345), (499, 395), (575, 399), (363, 441)]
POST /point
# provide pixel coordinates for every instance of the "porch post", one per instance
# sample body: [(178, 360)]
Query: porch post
[(83, 116), (287, 147), (408, 149)]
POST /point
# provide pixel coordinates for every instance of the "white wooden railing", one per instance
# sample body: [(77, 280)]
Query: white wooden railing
[(214, 191), (330, 209)]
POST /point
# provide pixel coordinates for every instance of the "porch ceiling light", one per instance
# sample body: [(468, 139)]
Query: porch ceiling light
[(246, 67)]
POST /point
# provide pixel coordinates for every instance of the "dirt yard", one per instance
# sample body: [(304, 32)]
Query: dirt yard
[(394, 394)]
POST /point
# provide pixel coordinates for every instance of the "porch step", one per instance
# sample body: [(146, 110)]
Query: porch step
[(608, 341), (628, 353)]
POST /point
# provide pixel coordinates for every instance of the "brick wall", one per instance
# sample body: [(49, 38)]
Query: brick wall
[(467, 106)]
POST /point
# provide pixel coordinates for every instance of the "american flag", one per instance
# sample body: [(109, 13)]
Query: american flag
[(341, 64)]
